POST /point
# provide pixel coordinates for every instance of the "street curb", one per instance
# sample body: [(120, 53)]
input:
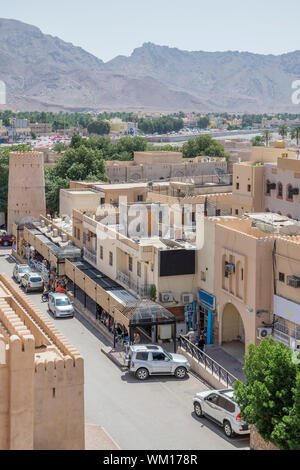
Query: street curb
[(113, 359)]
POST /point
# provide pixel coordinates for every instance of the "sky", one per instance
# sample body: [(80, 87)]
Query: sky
[(110, 28)]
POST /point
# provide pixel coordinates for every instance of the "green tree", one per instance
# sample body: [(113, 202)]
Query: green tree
[(203, 122), (99, 127), (283, 131), (59, 147), (257, 141), (269, 397), (79, 163), (33, 135), (203, 145), (295, 134), (267, 135)]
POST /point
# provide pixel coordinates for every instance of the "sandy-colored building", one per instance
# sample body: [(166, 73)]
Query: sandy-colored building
[(162, 165), (242, 281), (41, 379), (26, 186)]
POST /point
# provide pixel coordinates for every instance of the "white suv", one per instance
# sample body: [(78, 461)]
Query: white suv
[(150, 359), (219, 405)]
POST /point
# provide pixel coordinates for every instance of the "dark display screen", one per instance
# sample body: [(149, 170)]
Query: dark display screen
[(177, 262)]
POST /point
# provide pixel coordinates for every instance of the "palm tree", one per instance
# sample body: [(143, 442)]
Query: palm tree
[(295, 134), (267, 137), (283, 131)]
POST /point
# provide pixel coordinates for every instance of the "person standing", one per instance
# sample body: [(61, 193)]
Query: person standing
[(201, 343)]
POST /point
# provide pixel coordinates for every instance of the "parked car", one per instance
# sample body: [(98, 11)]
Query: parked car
[(144, 360), (7, 240), (219, 406), (60, 305), (32, 282), (20, 270)]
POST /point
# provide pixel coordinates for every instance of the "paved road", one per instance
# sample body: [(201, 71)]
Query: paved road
[(156, 414)]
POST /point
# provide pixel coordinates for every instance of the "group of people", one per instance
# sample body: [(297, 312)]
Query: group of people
[(200, 342)]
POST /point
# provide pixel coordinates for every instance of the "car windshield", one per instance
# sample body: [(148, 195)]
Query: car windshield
[(35, 279), (62, 302), (24, 269)]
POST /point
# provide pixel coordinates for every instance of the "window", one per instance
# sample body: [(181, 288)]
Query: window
[(249, 188), (130, 264), (281, 277), (236, 212), (142, 356), (140, 198), (289, 193), (242, 274), (226, 404), (138, 269), (280, 190), (218, 212), (237, 185), (157, 356), (268, 188), (101, 252), (110, 258), (213, 398), (203, 276)]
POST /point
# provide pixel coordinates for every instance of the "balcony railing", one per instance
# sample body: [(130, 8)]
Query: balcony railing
[(90, 256), (143, 290)]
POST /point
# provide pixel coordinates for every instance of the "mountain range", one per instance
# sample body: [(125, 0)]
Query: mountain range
[(42, 72)]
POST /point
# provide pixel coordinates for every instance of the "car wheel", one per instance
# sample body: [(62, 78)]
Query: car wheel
[(142, 374), (198, 410), (228, 429), (180, 372)]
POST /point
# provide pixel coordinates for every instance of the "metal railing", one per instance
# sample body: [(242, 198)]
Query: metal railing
[(89, 256), (208, 363), (142, 290)]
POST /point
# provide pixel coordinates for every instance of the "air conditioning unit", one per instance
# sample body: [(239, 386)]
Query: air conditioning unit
[(229, 268), (295, 344), (187, 298), (264, 332), (294, 281), (166, 297)]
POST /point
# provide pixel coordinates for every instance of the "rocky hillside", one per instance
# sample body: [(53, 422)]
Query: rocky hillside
[(44, 72)]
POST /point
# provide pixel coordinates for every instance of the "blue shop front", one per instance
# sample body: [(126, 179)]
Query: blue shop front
[(205, 316)]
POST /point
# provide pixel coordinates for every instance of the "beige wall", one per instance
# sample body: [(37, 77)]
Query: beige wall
[(41, 379), (249, 289), (26, 186), (78, 199)]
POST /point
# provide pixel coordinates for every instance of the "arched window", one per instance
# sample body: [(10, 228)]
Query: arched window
[(279, 190), (289, 194), (268, 188), (289, 216)]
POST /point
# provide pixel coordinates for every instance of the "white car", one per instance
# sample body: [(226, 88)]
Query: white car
[(220, 407), (60, 305), (32, 282), (20, 270)]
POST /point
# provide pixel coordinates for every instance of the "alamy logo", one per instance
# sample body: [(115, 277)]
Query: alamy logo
[(296, 94), (2, 92)]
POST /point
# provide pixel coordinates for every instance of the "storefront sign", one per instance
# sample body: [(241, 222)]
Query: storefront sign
[(207, 299)]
